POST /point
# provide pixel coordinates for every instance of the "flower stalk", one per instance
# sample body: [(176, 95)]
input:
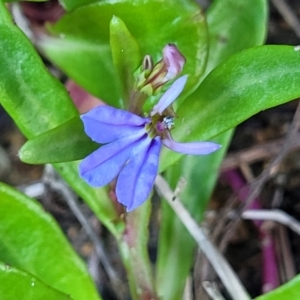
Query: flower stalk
[(134, 251), (129, 157)]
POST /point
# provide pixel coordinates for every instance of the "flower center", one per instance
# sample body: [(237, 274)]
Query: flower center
[(159, 124)]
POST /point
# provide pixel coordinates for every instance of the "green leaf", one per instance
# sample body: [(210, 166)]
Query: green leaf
[(247, 83), (228, 35), (87, 62), (67, 142), (15, 284), (31, 240), (69, 5), (80, 42), (126, 56), (27, 90), (288, 291), (38, 102), (200, 172)]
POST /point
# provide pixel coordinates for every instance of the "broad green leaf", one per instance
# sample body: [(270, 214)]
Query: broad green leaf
[(289, 290), (200, 172), (69, 5), (227, 35), (27, 90), (247, 83), (38, 103), (32, 241), (126, 56), (67, 142), (80, 41), (17, 284)]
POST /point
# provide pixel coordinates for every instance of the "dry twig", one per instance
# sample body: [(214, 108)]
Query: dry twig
[(275, 215), (212, 290), (256, 185), (288, 14), (256, 153), (50, 178), (219, 263)]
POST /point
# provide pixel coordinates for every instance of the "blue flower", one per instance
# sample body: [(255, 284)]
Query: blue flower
[(132, 145)]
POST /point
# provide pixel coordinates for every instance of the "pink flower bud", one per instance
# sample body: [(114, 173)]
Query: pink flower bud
[(166, 69), (173, 60)]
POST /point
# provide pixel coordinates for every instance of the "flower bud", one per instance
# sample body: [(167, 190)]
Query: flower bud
[(151, 77), (165, 70)]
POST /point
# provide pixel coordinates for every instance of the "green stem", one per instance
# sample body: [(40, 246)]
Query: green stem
[(134, 251)]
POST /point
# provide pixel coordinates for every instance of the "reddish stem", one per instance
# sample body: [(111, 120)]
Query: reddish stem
[(270, 269)]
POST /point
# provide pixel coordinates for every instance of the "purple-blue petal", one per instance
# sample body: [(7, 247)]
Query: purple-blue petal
[(127, 179), (195, 148), (170, 95), (104, 124), (103, 165), (136, 179), (110, 115), (104, 133)]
